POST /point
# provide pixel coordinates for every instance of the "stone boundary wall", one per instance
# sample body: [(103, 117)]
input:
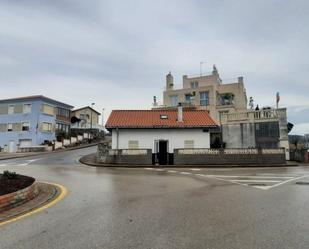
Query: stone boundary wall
[(222, 158), (299, 155), (126, 157), (19, 197)]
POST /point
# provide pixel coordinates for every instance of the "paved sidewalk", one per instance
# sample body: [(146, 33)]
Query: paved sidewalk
[(6, 156)]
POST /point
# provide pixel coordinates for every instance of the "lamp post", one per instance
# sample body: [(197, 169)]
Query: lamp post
[(92, 104)]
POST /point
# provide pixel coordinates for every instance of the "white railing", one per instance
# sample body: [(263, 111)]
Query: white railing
[(128, 152), (236, 151), (241, 151), (273, 151), (251, 115), (198, 151), (87, 126)]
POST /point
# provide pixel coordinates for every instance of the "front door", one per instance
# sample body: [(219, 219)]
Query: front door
[(162, 155)]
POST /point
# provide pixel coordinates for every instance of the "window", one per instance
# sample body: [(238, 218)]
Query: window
[(188, 97), (226, 99), (25, 126), (82, 116), (174, 100), (10, 127), (11, 109), (63, 112), (204, 98), (27, 108), (48, 109), (46, 127), (189, 144), (194, 84), (133, 144)]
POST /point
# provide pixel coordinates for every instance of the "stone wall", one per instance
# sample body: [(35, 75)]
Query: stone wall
[(19, 197), (106, 155), (301, 156), (219, 157)]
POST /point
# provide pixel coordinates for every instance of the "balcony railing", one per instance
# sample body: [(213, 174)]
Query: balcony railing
[(253, 116), (87, 126)]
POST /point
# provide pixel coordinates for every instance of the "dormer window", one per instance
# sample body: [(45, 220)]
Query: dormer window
[(163, 116)]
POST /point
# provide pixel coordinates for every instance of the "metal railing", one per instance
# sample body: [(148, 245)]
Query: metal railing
[(234, 151), (114, 152)]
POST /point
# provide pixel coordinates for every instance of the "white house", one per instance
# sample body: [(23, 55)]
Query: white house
[(161, 130)]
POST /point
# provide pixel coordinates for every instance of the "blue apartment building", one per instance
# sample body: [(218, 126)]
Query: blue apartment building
[(31, 121)]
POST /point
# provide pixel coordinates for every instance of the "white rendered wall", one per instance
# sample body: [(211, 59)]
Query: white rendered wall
[(146, 138)]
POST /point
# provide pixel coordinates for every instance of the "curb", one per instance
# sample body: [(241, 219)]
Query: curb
[(94, 164), (58, 193), (44, 153)]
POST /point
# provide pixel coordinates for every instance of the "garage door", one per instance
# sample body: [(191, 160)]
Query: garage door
[(25, 142)]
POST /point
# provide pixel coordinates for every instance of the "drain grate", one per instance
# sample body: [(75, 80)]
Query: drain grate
[(302, 183)]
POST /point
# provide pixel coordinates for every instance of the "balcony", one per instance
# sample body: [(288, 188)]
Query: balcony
[(87, 126), (251, 116)]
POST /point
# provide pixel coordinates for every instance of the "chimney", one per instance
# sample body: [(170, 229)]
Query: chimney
[(169, 81), (155, 103), (180, 113)]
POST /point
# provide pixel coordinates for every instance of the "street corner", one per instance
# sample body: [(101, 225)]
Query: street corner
[(49, 195)]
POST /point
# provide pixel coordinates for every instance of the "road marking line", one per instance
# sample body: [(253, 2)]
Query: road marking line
[(172, 171), (201, 175), (185, 173), (253, 181), (63, 193), (159, 169), (297, 178), (149, 168), (246, 176), (195, 169)]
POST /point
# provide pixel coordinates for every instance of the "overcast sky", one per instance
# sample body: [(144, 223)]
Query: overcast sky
[(117, 53)]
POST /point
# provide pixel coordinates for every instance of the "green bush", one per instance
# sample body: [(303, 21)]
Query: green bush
[(9, 174)]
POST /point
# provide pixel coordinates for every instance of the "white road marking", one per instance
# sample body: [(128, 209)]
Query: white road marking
[(149, 168), (254, 181), (195, 169), (159, 169), (185, 173), (257, 177), (201, 175), (172, 171), (297, 178)]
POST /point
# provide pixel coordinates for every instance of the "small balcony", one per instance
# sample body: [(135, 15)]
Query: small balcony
[(87, 126), (251, 116)]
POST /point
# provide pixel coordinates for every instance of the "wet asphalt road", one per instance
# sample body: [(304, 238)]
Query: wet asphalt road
[(173, 208)]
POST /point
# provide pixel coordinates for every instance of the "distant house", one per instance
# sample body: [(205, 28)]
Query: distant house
[(162, 131), (85, 118), (29, 121)]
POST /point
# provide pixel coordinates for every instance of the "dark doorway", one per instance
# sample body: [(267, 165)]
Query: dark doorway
[(162, 154)]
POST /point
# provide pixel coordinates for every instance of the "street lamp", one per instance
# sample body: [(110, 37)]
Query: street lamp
[(92, 104)]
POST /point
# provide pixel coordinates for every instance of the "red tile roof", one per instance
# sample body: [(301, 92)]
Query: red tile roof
[(152, 119)]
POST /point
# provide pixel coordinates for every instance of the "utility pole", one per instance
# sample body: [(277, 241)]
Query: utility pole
[(92, 104)]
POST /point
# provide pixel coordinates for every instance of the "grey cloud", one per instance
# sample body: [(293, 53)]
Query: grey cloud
[(129, 46)]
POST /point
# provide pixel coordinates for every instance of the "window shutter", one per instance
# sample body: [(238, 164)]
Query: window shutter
[(189, 144)]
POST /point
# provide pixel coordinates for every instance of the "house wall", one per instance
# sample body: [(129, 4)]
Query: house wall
[(214, 86), (147, 137), (35, 118), (87, 111), (239, 135)]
